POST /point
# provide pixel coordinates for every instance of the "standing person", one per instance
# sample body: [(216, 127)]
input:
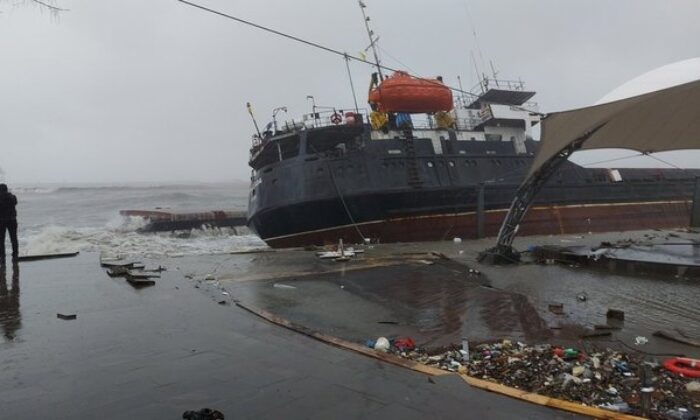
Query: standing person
[(8, 221)]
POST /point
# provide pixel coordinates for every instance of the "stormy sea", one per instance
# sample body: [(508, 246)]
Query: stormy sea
[(68, 218)]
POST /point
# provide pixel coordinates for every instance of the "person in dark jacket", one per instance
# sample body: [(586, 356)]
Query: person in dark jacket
[(8, 222)]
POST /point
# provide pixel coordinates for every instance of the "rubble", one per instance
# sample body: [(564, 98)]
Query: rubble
[(603, 378)]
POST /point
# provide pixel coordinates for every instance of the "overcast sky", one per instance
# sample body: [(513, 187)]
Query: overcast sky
[(154, 90)]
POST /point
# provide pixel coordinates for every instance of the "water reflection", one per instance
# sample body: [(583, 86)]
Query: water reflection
[(10, 317)]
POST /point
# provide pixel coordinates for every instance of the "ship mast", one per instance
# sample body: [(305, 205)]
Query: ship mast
[(372, 39)]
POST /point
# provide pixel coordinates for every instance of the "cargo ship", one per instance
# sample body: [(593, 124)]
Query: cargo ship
[(422, 165)]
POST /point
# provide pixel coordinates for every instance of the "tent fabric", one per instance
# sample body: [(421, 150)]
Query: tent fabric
[(667, 119)]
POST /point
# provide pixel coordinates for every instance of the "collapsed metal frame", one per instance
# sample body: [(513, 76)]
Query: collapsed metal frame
[(504, 252)]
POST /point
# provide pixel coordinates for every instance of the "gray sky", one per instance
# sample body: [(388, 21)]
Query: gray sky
[(134, 90)]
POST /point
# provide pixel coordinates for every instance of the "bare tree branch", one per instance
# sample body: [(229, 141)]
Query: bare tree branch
[(50, 6)]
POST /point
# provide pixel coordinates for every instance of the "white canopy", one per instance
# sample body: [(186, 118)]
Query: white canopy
[(667, 119)]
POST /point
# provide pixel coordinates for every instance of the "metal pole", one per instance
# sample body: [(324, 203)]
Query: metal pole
[(250, 111), (480, 211), (372, 41), (352, 86), (695, 211)]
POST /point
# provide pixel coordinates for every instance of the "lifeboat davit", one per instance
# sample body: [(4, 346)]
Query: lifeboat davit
[(401, 92)]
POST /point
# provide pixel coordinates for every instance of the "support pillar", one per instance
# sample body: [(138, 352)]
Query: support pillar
[(503, 252), (695, 210)]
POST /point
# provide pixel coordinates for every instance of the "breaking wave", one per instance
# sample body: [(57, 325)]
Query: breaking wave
[(120, 236)]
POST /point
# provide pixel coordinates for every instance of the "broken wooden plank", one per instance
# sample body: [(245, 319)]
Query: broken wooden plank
[(38, 257), (138, 274)]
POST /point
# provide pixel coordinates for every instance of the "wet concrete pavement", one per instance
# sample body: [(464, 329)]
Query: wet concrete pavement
[(441, 303), (158, 351)]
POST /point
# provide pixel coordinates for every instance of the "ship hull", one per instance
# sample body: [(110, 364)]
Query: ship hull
[(541, 220), (428, 189)]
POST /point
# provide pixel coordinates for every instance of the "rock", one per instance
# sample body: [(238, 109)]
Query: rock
[(611, 390), (578, 370)]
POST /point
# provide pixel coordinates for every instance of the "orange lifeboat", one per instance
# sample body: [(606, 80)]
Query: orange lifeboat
[(403, 93)]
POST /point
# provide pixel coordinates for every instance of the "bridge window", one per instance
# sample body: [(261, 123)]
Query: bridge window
[(289, 147)]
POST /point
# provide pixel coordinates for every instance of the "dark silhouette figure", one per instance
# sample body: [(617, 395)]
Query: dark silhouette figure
[(10, 317), (8, 222)]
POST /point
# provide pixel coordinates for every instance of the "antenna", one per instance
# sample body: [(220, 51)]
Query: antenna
[(494, 72), (477, 72), (352, 85), (372, 39), (461, 96), (476, 42)]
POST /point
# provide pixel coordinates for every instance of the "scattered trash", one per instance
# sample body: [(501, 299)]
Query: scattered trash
[(457, 240), (601, 378), (222, 302), (693, 386), (465, 349), (225, 293), (640, 340), (382, 344), (621, 407), (341, 254), (67, 317), (404, 344), (615, 314), (283, 286), (474, 272), (203, 414), (388, 322), (209, 277), (582, 297), (556, 308), (680, 414)]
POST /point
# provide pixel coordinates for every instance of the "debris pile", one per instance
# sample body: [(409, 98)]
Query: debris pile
[(133, 271), (605, 378)]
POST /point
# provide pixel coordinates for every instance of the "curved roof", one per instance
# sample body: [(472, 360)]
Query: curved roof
[(663, 120)]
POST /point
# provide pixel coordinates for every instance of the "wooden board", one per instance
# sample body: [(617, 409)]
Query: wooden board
[(38, 257)]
